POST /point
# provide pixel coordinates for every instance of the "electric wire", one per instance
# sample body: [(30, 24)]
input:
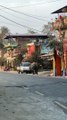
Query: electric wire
[(18, 23), (14, 15), (22, 13), (38, 3)]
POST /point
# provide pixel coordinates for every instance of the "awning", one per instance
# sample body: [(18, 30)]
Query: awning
[(61, 10), (33, 36)]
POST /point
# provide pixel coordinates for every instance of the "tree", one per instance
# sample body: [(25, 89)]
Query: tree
[(2, 61), (54, 41), (18, 59), (30, 31), (3, 32), (36, 58), (47, 28), (1, 45)]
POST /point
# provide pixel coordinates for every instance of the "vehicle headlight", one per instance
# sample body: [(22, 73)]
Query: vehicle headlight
[(21, 68)]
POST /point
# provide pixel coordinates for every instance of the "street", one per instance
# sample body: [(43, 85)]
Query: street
[(31, 97)]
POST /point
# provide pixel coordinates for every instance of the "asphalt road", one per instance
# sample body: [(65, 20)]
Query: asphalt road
[(31, 97)]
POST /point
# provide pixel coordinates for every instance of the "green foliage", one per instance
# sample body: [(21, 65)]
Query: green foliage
[(3, 32), (31, 31), (2, 61), (51, 42), (47, 28), (18, 59), (54, 43), (1, 45), (36, 58)]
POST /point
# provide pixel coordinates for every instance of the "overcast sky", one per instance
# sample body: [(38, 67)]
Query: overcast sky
[(33, 14)]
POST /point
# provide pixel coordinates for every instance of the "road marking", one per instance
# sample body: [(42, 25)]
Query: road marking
[(39, 93), (60, 105)]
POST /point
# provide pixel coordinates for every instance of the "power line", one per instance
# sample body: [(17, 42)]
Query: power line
[(7, 23), (38, 3), (16, 16), (18, 23), (23, 13), (10, 24), (13, 15)]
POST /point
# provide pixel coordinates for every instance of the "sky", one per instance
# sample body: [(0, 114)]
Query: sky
[(22, 15)]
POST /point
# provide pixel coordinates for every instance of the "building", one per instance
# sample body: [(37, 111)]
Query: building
[(60, 25), (22, 40)]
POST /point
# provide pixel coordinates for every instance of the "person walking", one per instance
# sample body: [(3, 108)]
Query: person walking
[(34, 68)]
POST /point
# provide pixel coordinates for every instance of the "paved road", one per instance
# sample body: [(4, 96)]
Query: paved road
[(30, 97)]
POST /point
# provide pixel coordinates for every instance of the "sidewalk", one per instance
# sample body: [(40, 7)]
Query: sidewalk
[(45, 73), (50, 74), (42, 73), (10, 71)]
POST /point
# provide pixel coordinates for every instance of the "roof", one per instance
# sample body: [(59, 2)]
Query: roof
[(61, 10), (42, 36)]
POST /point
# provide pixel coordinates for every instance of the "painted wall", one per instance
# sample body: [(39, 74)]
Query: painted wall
[(30, 49)]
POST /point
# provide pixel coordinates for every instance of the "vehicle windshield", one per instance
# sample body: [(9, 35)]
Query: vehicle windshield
[(25, 64)]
